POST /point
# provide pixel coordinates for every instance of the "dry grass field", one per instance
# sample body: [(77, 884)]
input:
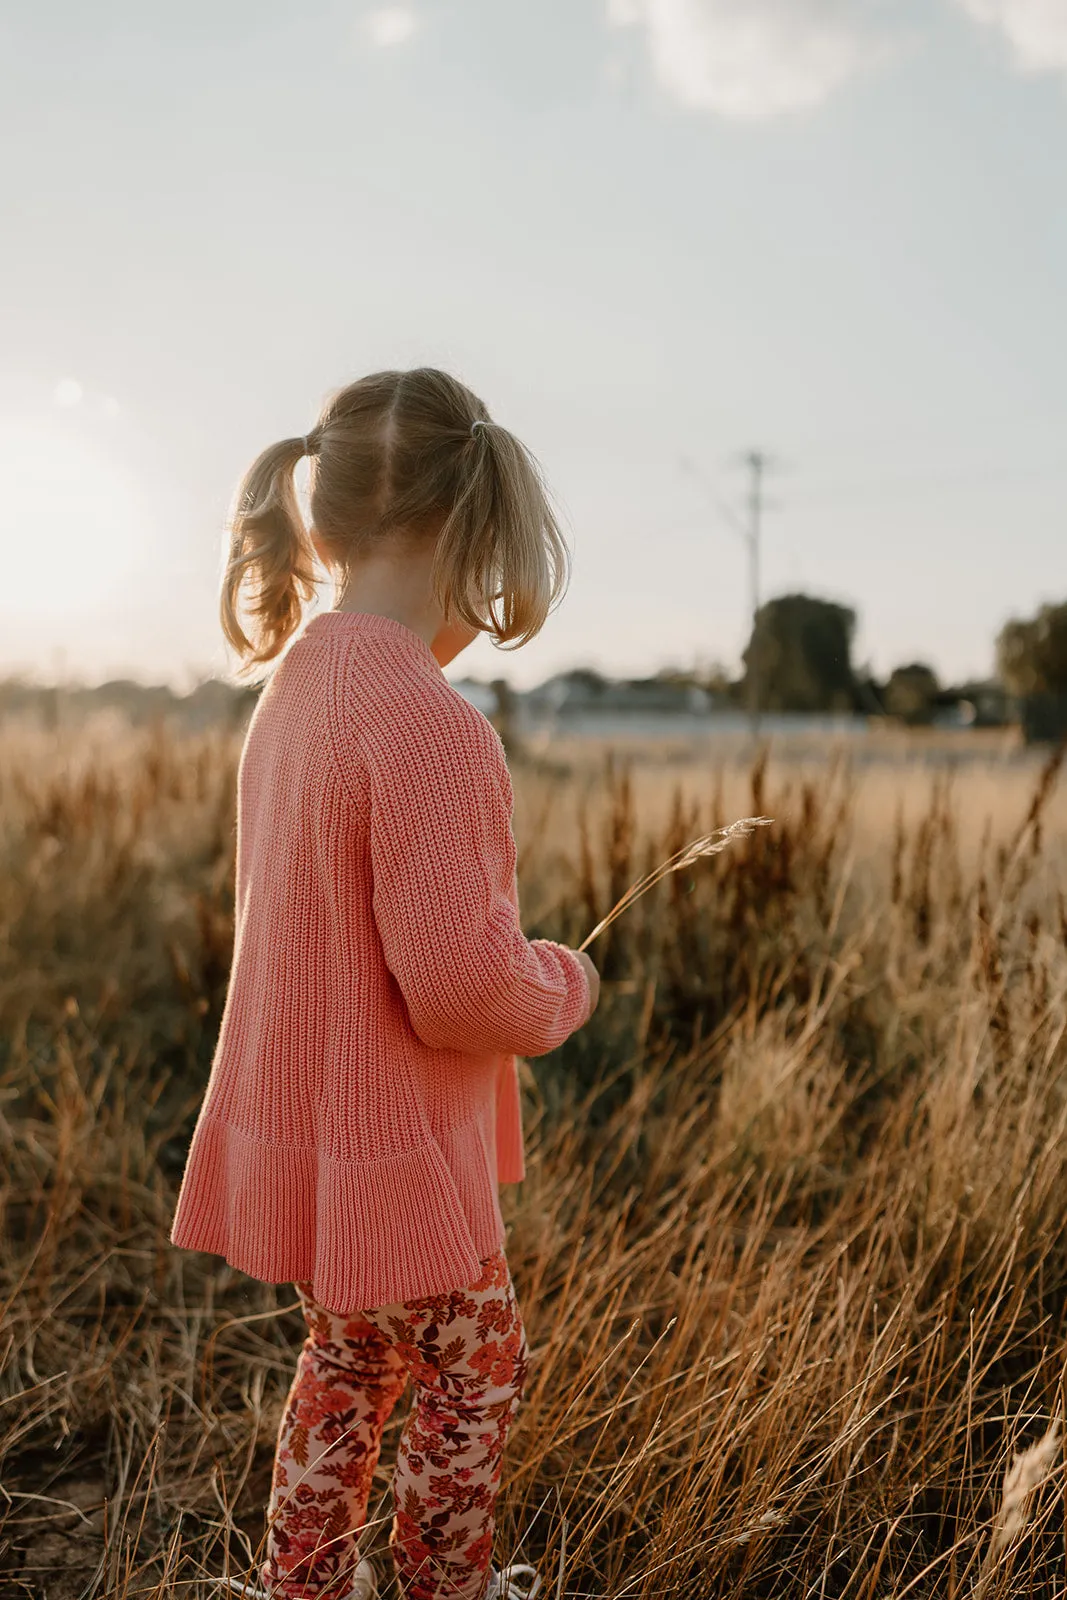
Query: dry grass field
[(791, 1250)]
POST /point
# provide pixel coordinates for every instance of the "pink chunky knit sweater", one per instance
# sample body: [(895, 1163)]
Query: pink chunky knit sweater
[(363, 1102)]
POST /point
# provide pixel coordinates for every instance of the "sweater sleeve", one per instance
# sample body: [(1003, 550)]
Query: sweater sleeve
[(443, 860)]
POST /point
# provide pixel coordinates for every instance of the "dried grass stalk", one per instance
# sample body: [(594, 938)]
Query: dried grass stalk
[(1024, 1477), (709, 844)]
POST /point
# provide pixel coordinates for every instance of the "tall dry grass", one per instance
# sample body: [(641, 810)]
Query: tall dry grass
[(791, 1249)]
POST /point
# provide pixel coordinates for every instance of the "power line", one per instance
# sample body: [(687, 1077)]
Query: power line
[(911, 485)]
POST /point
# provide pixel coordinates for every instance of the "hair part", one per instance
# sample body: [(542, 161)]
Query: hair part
[(396, 456)]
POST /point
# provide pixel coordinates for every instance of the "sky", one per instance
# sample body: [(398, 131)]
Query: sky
[(653, 235)]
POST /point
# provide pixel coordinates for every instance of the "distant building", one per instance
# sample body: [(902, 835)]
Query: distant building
[(584, 691), (978, 704), (579, 689)]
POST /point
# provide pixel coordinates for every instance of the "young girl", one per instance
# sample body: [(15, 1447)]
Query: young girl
[(363, 1103)]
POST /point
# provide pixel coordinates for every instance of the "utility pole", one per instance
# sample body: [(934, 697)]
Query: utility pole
[(749, 529), (757, 464)]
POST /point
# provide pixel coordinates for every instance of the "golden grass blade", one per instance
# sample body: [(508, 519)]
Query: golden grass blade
[(708, 844), (1027, 1473)]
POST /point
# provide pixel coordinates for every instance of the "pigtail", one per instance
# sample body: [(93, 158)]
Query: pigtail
[(501, 562), (268, 547)]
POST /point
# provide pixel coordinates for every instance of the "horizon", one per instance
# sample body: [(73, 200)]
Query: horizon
[(457, 675), (645, 232)]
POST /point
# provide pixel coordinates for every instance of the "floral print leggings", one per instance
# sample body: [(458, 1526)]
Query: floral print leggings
[(465, 1352)]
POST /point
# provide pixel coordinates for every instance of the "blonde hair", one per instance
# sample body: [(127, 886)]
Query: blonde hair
[(408, 455)]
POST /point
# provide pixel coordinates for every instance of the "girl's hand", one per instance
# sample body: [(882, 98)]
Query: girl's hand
[(592, 978)]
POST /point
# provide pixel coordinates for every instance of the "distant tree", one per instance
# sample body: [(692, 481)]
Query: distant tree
[(912, 692), (586, 678), (715, 677), (1032, 655), (717, 681), (800, 655), (870, 693), (709, 675)]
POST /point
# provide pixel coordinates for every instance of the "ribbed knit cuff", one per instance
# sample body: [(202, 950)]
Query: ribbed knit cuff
[(574, 1009)]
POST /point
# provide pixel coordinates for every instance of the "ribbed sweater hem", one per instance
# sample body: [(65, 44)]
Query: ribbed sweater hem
[(363, 1234)]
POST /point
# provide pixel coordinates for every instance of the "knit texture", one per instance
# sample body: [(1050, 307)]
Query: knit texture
[(363, 1103)]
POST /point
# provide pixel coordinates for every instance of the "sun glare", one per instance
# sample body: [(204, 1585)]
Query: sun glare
[(72, 529), (391, 25)]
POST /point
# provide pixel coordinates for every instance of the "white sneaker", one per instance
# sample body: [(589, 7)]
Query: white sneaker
[(364, 1585), (364, 1581), (503, 1584)]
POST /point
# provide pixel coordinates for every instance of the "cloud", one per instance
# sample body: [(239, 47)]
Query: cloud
[(68, 392), (390, 25), (1036, 30), (755, 58)]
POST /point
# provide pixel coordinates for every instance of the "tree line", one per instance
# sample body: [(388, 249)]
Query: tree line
[(799, 658)]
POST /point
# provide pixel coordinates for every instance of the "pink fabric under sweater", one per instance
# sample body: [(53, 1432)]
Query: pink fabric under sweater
[(363, 1102)]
